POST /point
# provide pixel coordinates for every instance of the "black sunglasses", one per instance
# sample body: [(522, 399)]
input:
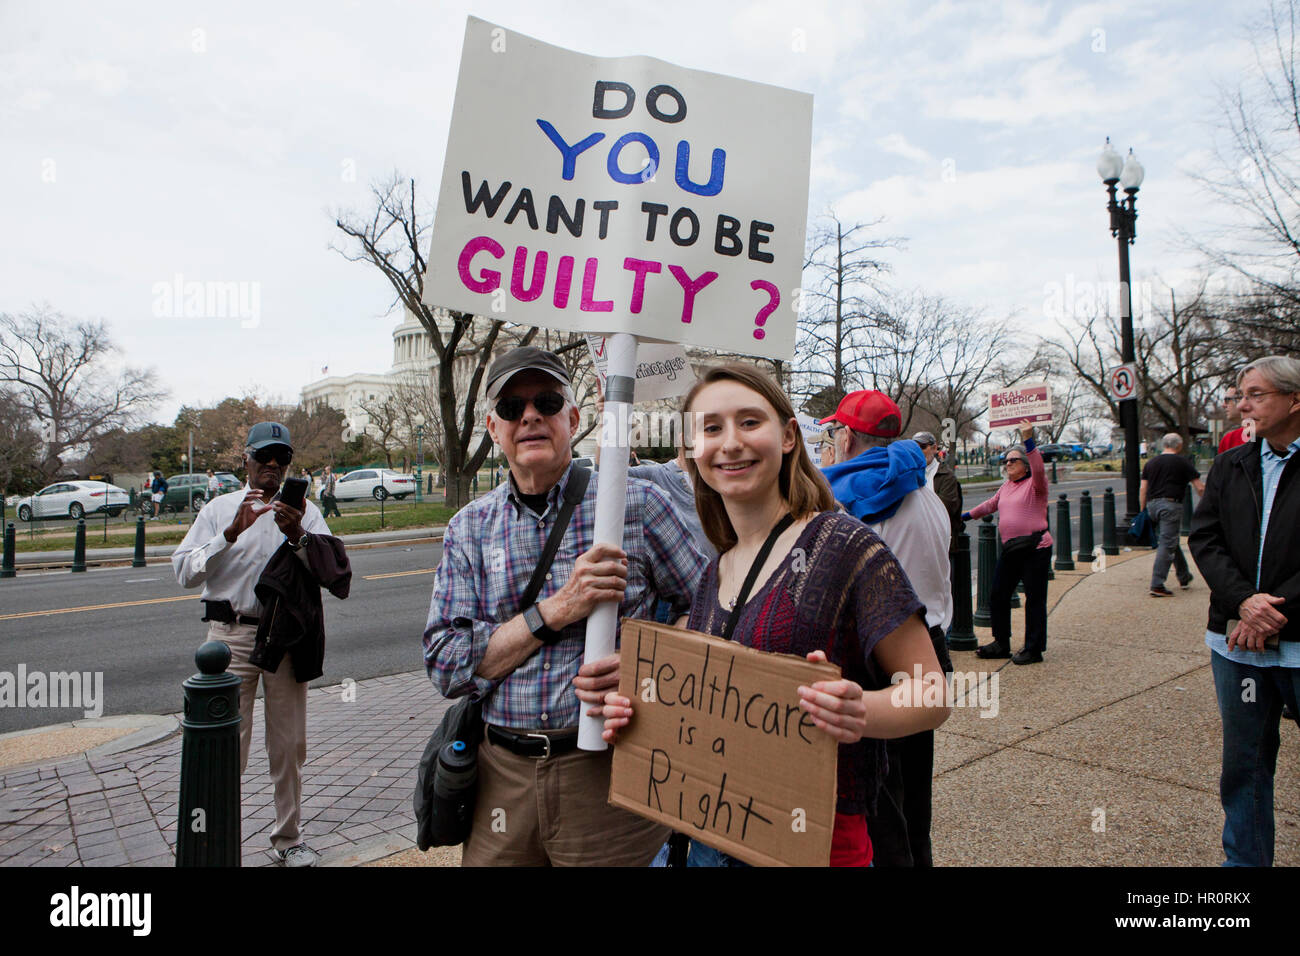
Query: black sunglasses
[(512, 409), (281, 454)]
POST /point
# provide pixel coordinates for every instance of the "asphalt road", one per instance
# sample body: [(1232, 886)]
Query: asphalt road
[(146, 649)]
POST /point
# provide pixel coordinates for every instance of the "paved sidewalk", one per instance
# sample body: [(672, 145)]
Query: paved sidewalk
[(121, 810), (1105, 754)]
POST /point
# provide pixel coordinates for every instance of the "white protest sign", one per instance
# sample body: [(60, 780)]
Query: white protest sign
[(621, 195), (1011, 406), (662, 371), (811, 433)]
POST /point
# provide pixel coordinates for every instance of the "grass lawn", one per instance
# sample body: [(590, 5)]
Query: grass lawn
[(397, 515)]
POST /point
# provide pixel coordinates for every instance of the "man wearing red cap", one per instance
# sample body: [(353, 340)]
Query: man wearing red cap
[(883, 485)]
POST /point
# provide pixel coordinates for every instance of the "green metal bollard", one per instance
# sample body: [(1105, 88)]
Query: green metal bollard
[(1053, 471), (208, 821), (1063, 560), (1109, 533), (961, 637), (7, 567), (79, 547), (1087, 553), (988, 559), (138, 560), (1188, 508)]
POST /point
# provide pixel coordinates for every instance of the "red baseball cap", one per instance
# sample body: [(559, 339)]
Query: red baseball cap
[(869, 412)]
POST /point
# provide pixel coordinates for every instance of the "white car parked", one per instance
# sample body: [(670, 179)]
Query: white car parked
[(73, 499), (377, 483)]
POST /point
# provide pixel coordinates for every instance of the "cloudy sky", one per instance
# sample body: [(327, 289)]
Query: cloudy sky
[(212, 141)]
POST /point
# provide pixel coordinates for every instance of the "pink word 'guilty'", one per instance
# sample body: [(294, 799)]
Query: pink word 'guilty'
[(525, 289)]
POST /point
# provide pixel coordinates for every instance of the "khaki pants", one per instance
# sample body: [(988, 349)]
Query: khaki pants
[(553, 812), (285, 722)]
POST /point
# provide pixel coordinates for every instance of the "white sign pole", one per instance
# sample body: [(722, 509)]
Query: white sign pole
[(611, 503)]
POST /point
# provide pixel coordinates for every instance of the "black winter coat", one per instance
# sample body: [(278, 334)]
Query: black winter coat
[(1225, 537), (292, 619)]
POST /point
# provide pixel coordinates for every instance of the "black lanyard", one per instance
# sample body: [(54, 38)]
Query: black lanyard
[(757, 566)]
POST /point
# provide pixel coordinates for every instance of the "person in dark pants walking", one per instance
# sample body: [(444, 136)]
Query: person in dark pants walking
[(328, 482), (1026, 551), (1164, 483)]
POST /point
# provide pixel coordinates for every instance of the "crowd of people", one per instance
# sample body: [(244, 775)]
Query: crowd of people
[(744, 537)]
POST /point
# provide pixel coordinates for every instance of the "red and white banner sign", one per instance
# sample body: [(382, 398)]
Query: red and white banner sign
[(1012, 406)]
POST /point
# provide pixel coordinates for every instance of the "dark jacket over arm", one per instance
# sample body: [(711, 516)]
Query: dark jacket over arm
[(292, 619), (948, 488), (1225, 537)]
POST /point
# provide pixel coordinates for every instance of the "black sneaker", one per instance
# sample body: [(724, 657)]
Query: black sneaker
[(1161, 591), (992, 650), (1026, 656), (1185, 584)]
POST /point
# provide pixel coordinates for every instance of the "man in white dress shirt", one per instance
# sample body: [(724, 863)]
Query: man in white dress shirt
[(228, 546)]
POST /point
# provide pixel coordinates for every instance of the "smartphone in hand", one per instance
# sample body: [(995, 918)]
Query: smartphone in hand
[(294, 493)]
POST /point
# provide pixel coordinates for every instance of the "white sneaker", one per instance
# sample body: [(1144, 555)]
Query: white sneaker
[(298, 855)]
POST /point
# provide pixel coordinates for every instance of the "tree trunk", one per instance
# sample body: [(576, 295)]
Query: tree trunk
[(459, 490)]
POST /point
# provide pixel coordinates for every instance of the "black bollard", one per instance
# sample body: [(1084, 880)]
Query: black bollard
[(7, 568), (138, 560), (961, 637), (1086, 552), (79, 547), (1109, 533), (1063, 560), (1053, 471), (1187, 512), (207, 823), (988, 559)]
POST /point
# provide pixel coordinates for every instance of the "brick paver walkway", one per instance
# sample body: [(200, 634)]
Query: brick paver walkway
[(121, 810)]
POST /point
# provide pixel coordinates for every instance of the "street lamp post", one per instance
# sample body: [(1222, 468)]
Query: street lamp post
[(1128, 174), (419, 457)]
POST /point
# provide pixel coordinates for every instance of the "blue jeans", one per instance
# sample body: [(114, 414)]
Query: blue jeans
[(1167, 516), (1250, 745)]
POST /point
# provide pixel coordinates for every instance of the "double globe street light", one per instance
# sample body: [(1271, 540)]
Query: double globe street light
[(1127, 173)]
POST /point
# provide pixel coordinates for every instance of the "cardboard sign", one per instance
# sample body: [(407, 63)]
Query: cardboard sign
[(662, 371), (621, 195), (1010, 407), (719, 748)]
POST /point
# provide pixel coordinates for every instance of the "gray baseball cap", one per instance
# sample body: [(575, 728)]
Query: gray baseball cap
[(521, 360), (268, 433), (924, 438)]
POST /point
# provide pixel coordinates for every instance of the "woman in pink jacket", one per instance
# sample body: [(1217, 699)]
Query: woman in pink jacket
[(1026, 551)]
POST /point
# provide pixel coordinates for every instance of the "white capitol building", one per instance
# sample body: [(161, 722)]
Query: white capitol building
[(415, 365)]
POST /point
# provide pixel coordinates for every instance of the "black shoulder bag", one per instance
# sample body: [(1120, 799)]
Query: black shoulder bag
[(444, 819)]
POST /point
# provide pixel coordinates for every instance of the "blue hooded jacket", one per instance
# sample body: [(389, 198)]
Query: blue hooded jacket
[(873, 485)]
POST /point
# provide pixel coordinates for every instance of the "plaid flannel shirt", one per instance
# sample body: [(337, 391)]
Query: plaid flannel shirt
[(490, 550)]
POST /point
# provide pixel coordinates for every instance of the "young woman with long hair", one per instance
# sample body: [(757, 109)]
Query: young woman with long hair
[(844, 598)]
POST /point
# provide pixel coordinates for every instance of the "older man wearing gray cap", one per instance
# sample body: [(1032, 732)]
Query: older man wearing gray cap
[(226, 550), (942, 481), (541, 801)]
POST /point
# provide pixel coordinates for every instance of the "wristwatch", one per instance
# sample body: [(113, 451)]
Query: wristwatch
[(537, 624), (301, 543)]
